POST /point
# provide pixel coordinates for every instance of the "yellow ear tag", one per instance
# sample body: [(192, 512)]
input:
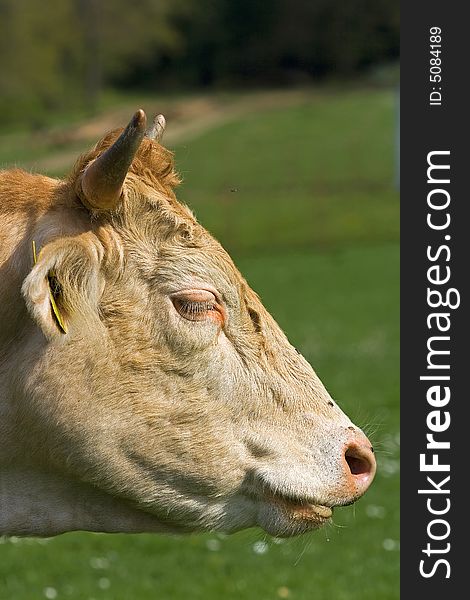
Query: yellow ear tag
[(55, 310)]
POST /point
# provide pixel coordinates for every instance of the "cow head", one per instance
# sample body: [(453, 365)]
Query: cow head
[(156, 374)]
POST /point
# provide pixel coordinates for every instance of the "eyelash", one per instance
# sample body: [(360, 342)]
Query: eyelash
[(194, 311)]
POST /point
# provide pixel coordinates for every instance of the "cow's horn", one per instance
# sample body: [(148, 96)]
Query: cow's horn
[(158, 127), (102, 180)]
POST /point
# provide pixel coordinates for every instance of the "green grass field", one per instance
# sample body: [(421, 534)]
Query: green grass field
[(303, 198)]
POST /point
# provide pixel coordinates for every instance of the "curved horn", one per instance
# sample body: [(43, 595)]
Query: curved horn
[(102, 180), (158, 127)]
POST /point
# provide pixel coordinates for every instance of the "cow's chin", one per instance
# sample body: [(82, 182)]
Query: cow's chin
[(279, 517), (287, 519)]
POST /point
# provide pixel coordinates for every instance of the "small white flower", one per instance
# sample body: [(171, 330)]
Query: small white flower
[(260, 547), (99, 562), (213, 545), (104, 583), (375, 512), (390, 545)]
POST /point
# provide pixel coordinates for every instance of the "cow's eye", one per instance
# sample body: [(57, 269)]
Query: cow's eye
[(197, 305)]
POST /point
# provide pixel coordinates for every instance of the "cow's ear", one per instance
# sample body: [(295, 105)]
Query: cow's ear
[(64, 285)]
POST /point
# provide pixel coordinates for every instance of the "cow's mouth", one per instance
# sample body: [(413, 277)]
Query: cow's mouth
[(297, 509)]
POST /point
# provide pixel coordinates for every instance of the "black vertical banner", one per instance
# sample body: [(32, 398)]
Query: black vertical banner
[(435, 274)]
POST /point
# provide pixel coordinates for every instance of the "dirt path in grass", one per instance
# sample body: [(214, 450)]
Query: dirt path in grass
[(186, 119)]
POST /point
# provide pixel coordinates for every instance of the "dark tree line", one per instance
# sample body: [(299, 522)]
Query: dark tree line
[(61, 54), (269, 42)]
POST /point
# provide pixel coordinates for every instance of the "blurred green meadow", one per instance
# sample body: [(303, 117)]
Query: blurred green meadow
[(303, 197)]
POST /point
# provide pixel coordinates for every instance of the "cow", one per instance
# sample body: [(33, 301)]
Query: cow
[(143, 385)]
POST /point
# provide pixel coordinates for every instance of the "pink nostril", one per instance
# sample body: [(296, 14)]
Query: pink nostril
[(360, 462), (357, 464)]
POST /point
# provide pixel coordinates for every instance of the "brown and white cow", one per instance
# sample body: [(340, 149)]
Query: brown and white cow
[(143, 385)]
